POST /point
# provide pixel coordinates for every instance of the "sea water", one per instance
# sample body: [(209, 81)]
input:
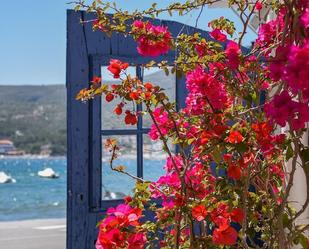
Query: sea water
[(33, 197)]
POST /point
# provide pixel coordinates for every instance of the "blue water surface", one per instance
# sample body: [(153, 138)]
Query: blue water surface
[(33, 197)]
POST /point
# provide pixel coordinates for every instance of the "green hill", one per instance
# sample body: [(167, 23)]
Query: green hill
[(34, 117)]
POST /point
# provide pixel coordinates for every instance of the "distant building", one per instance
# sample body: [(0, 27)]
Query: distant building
[(7, 148)]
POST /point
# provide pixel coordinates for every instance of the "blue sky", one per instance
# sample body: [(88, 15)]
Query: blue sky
[(33, 38)]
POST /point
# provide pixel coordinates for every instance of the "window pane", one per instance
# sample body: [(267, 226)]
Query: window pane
[(158, 77), (116, 185), (154, 159), (109, 119)]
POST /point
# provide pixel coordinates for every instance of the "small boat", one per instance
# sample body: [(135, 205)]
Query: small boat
[(4, 178), (108, 195), (48, 173)]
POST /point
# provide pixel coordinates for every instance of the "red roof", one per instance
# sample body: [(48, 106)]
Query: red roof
[(6, 142)]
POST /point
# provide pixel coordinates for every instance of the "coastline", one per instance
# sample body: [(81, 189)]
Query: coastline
[(30, 156), (155, 156)]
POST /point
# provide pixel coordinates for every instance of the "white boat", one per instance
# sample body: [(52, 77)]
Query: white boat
[(4, 178), (108, 195), (48, 173)]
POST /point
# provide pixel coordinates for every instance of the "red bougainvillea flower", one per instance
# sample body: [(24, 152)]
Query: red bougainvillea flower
[(216, 34), (152, 40), (109, 97), (225, 235), (237, 215), (199, 212), (134, 95), (96, 80), (233, 52), (235, 137), (201, 48), (118, 109), (127, 199), (130, 118), (116, 66), (137, 241), (227, 157), (98, 25), (262, 130), (148, 86), (111, 239), (234, 172)]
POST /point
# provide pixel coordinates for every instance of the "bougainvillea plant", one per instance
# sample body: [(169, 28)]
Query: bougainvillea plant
[(223, 128)]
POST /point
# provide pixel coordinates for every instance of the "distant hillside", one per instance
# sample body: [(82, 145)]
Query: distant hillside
[(34, 117)]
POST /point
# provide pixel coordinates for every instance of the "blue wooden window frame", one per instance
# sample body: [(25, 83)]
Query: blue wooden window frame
[(87, 51), (96, 62)]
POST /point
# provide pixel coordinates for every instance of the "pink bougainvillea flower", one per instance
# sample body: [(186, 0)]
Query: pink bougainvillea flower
[(268, 31), (207, 88), (98, 245), (152, 40), (126, 214), (304, 19), (277, 66), (297, 73), (163, 121), (199, 212), (169, 166), (218, 35), (265, 85), (282, 109), (258, 5), (137, 241), (111, 239), (232, 53)]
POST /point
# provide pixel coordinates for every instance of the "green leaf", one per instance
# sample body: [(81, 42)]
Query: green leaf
[(191, 140), (241, 147), (303, 240), (289, 152), (217, 155), (285, 220), (305, 154)]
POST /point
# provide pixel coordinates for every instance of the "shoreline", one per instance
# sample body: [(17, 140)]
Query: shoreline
[(32, 221), (29, 156), (155, 156)]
